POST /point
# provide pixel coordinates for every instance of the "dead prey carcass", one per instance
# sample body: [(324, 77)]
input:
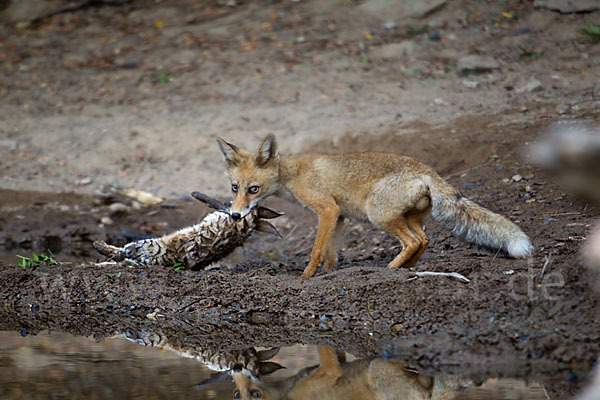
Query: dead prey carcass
[(215, 237)]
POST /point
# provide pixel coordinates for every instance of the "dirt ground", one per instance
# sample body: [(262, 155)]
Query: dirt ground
[(133, 97)]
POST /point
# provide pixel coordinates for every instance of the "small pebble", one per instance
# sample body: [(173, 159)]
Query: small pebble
[(563, 108), (324, 327), (435, 36), (517, 178), (84, 181), (106, 220), (117, 207), (524, 31), (130, 65), (471, 185)]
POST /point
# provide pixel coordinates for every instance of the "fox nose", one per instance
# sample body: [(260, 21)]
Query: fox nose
[(236, 216)]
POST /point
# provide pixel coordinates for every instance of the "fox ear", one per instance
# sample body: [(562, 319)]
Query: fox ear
[(229, 151), (268, 367), (265, 355), (267, 150)]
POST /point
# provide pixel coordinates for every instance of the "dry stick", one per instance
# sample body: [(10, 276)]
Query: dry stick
[(469, 169), (454, 275), (576, 103), (546, 392), (563, 214), (287, 237), (76, 7), (496, 255), (547, 258)]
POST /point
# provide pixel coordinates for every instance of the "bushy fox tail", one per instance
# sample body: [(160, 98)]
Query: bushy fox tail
[(476, 224)]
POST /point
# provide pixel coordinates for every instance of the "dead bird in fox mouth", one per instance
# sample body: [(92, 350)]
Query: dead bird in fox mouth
[(198, 246)]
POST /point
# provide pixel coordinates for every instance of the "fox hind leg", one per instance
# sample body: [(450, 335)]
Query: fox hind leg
[(398, 207), (331, 257), (415, 224), (411, 242)]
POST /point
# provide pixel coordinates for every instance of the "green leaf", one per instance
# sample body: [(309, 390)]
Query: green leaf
[(36, 258), (24, 261), (178, 266), (163, 78), (51, 259)]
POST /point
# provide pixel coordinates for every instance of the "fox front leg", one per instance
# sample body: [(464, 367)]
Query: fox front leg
[(328, 216)]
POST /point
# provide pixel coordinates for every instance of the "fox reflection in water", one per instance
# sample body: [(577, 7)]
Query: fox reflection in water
[(333, 378)]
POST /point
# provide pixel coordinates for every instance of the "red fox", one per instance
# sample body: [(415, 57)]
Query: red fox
[(362, 379), (394, 193)]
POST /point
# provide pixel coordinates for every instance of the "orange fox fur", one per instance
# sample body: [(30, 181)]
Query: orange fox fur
[(394, 193), (336, 379)]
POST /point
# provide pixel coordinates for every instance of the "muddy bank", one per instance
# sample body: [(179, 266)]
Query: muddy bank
[(507, 320), (439, 324)]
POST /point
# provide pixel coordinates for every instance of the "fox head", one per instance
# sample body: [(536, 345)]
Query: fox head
[(253, 176), (249, 385)]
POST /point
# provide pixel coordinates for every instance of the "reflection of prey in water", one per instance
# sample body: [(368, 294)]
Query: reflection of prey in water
[(250, 360), (333, 378)]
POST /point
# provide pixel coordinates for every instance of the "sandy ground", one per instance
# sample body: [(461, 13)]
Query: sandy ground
[(83, 106)]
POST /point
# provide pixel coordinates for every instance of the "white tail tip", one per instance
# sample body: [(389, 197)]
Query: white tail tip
[(520, 248)]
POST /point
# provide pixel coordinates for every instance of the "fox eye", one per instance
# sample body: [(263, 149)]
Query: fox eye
[(236, 394), (255, 394), (253, 189), (234, 188)]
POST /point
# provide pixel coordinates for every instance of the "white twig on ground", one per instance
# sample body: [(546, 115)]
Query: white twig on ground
[(548, 258), (454, 275), (102, 264)]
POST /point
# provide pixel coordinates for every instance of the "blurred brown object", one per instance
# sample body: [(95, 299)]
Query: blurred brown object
[(592, 248), (571, 151)]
